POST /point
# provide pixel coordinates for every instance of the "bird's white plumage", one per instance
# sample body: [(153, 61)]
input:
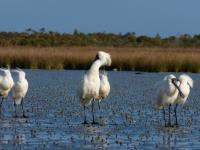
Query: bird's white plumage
[(105, 58), (186, 83), (91, 81), (20, 87), (90, 84), (6, 82), (166, 92), (104, 86)]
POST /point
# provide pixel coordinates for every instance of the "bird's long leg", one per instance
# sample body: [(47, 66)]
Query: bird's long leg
[(1, 105), (93, 121), (93, 111), (85, 121), (164, 115), (99, 104), (176, 115), (15, 106), (22, 104), (169, 121)]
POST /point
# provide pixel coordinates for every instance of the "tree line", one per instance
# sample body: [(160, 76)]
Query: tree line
[(43, 38)]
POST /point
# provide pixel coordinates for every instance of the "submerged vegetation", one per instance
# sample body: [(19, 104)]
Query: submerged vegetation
[(140, 59)]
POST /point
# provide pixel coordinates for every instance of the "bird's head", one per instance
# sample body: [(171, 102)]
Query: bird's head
[(176, 83), (5, 71), (187, 79), (21, 72), (172, 79), (18, 73), (104, 58)]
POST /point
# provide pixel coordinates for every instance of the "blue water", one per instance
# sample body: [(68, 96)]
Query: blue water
[(128, 118)]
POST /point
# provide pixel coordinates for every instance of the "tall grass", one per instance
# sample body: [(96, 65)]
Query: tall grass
[(140, 59)]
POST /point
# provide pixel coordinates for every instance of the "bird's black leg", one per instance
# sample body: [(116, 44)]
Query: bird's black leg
[(85, 121), (15, 107), (22, 105), (1, 105), (93, 121), (99, 104), (164, 116), (176, 114), (169, 121)]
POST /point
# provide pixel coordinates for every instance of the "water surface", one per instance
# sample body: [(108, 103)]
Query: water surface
[(127, 117)]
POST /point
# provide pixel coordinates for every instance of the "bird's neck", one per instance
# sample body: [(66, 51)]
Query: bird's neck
[(21, 79), (94, 69)]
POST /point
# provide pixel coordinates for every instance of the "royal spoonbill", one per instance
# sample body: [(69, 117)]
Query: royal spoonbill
[(186, 83), (91, 82), (168, 90), (19, 89), (104, 87), (6, 83)]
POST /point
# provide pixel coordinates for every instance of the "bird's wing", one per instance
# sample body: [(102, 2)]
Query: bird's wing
[(4, 84), (25, 86)]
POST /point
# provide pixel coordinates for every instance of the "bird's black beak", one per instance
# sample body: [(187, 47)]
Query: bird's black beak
[(96, 58), (180, 92)]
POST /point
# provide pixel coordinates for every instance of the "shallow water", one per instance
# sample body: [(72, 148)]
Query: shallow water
[(127, 117)]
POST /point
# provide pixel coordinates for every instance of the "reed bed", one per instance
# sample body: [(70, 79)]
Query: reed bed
[(139, 59)]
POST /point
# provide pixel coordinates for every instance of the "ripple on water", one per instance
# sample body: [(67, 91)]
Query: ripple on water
[(127, 117)]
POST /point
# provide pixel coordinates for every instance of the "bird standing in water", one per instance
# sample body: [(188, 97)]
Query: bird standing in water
[(91, 82)]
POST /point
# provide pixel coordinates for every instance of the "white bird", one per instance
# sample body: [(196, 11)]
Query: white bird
[(19, 89), (168, 91), (104, 87), (91, 81), (6, 83), (186, 83)]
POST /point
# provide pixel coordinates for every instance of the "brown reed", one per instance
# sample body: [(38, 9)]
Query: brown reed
[(140, 59)]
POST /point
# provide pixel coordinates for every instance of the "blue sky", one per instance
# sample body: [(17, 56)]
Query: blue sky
[(144, 17)]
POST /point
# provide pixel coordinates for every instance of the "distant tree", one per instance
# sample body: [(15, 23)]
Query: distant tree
[(75, 31), (50, 38), (42, 29), (29, 30)]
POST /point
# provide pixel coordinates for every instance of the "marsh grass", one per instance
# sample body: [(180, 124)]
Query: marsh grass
[(140, 59)]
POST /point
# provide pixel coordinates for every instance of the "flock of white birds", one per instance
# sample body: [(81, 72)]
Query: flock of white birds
[(96, 87), (13, 81)]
